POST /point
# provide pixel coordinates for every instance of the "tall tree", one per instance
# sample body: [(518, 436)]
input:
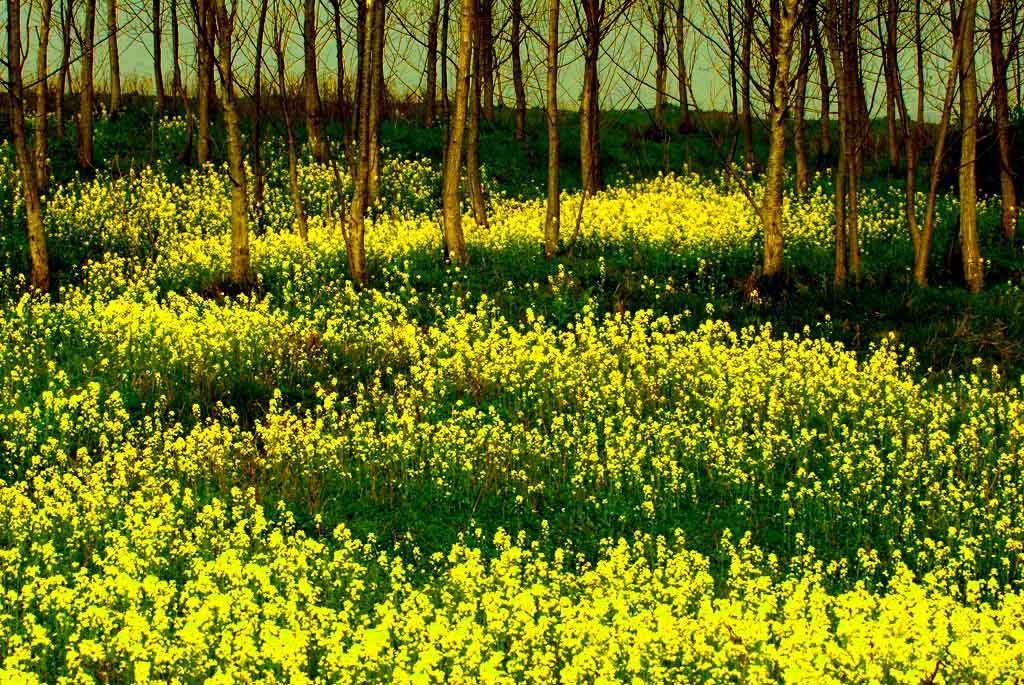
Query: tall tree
[(430, 96), (517, 68), (485, 31), (277, 44), (257, 96), (114, 57), (42, 77), (802, 180), (310, 87), (889, 39), (158, 57), (454, 239), (746, 48), (660, 63), (473, 180), (552, 222), (30, 186), (87, 93), (224, 22), (783, 18), (204, 31), (1001, 115), (969, 248), (685, 121), (177, 87), (825, 91), (376, 99)]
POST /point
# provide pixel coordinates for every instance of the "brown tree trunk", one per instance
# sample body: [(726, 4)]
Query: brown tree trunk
[(685, 121), (66, 28), (177, 87), (204, 77), (444, 66), (87, 96), (454, 240), (799, 109), (30, 186), (430, 97), (968, 148), (257, 124), (893, 84), (339, 57), (485, 20), (114, 57), (783, 24), (590, 146), (236, 165), (473, 180), (42, 75), (158, 57), (746, 119), (517, 69), (1001, 116), (553, 220), (355, 243), (660, 65), (311, 88), (293, 157), (825, 88), (376, 102)]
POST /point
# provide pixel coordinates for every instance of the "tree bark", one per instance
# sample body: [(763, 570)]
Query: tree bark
[(825, 89), (746, 118), (968, 148), (311, 88), (355, 242), (236, 165), (86, 100), (63, 75), (158, 58), (177, 87), (454, 239), (783, 22), (685, 121), (114, 57), (339, 57), (204, 77), (42, 75), (552, 222), (485, 20), (1001, 116), (301, 224), (376, 102), (30, 186), (590, 145), (799, 109), (257, 124), (473, 180), (517, 69), (660, 65), (430, 96)]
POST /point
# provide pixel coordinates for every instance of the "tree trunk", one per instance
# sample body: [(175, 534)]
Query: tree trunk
[(552, 222), (660, 66), (114, 57), (66, 25), (293, 157), (257, 124), (30, 186), (339, 57), (968, 149), (485, 20), (430, 96), (236, 165), (177, 87), (476, 190), (1001, 116), (376, 102), (685, 121), (454, 240), (311, 89), (799, 109), (444, 65), (85, 109), (783, 22), (746, 119), (590, 146), (825, 88), (517, 69), (204, 77), (42, 75), (356, 239), (890, 68), (158, 58)]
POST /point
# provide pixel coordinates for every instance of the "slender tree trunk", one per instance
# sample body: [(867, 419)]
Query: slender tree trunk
[(485, 20), (257, 95), (660, 65), (114, 57), (339, 57), (293, 157), (236, 166), (825, 88), (517, 69), (1001, 115), (376, 102), (204, 77), (86, 103), (454, 239), (66, 24), (42, 74), (30, 185), (968, 151), (552, 222), (177, 87), (590, 146), (158, 58), (476, 190), (783, 22), (799, 109), (444, 66), (356, 238), (311, 89), (746, 119), (685, 121), (919, 63), (430, 97), (893, 85)]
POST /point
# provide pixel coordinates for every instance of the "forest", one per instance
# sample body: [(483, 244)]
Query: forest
[(505, 341)]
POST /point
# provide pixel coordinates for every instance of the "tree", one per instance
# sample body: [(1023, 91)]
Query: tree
[(203, 16), (430, 96), (552, 222), (473, 180), (86, 100), (158, 58), (30, 185), (1001, 116), (114, 57), (176, 83), (800, 107), (42, 76), (454, 239), (746, 47), (517, 69), (660, 64), (968, 151), (685, 122), (63, 74), (310, 87), (277, 45)]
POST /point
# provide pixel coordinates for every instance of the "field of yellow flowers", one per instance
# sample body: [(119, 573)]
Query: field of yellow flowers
[(426, 482)]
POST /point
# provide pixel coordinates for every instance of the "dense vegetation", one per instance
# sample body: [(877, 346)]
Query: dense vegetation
[(626, 464)]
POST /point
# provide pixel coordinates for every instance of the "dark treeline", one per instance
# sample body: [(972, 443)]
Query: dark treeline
[(788, 63)]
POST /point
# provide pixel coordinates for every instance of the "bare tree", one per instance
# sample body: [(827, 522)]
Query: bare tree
[(969, 248), (376, 100), (203, 16), (87, 93), (114, 57), (552, 222), (30, 186), (42, 77), (158, 57), (177, 87), (310, 87), (454, 239), (473, 180), (430, 96), (1001, 115), (63, 74), (685, 121), (485, 33), (746, 47), (660, 63), (517, 68), (800, 107), (277, 45)]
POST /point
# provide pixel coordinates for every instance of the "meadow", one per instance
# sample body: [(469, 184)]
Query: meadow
[(625, 465)]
